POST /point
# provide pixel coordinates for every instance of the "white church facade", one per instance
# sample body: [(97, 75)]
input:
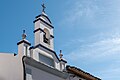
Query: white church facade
[(39, 62)]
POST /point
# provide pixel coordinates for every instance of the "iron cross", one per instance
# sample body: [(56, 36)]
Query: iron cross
[(43, 5)]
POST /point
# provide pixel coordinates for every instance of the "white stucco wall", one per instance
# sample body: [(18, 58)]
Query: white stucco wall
[(39, 34), (11, 67), (38, 51), (37, 25), (37, 37), (38, 74)]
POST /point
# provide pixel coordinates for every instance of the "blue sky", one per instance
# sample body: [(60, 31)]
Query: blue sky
[(88, 31)]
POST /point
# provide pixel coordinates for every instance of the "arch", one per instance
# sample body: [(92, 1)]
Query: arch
[(46, 36)]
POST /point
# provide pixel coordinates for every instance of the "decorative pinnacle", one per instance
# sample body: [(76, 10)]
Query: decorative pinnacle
[(24, 35), (61, 55), (43, 6)]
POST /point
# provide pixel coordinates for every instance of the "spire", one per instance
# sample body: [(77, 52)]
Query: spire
[(24, 35), (43, 6)]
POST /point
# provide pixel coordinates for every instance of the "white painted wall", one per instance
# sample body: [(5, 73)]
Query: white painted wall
[(11, 67), (37, 37), (37, 25), (38, 51), (38, 74), (39, 34)]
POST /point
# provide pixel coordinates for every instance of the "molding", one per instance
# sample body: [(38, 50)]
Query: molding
[(23, 41), (40, 45), (38, 30), (52, 36), (42, 31), (44, 16), (30, 61), (43, 21), (63, 61)]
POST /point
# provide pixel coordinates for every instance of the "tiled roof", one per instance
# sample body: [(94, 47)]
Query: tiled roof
[(81, 73)]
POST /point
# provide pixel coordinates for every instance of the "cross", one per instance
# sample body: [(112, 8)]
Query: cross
[(43, 5)]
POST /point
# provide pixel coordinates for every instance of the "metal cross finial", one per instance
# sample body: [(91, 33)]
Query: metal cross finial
[(24, 35), (43, 5)]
